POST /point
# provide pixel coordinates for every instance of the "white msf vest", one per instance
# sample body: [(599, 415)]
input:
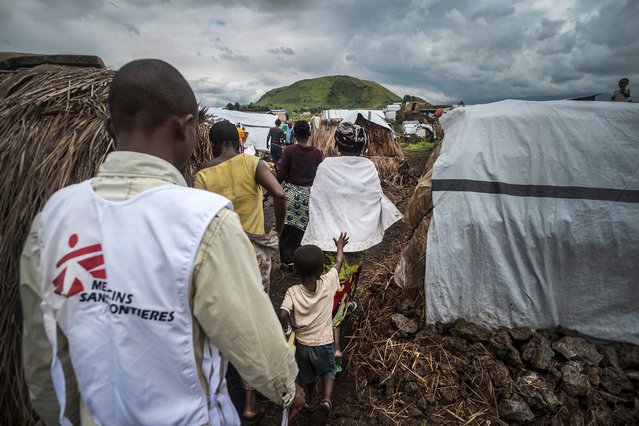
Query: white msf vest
[(115, 279)]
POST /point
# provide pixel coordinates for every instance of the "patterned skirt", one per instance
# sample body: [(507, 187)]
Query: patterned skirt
[(348, 278), (296, 205)]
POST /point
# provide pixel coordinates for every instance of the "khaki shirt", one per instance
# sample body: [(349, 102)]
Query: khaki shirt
[(226, 298), (311, 311)]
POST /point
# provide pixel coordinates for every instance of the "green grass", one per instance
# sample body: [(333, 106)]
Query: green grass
[(422, 145)]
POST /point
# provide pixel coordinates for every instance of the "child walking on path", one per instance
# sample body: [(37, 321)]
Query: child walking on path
[(307, 307)]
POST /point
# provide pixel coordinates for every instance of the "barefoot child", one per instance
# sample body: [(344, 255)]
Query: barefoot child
[(307, 307)]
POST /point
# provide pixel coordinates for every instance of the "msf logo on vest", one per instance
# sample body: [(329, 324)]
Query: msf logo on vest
[(78, 267)]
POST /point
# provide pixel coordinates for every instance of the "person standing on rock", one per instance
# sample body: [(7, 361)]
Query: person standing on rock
[(347, 196)]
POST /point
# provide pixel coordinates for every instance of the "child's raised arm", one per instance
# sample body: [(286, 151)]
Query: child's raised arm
[(340, 243)]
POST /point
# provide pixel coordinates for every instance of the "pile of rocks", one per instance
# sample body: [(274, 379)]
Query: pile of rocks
[(462, 372)]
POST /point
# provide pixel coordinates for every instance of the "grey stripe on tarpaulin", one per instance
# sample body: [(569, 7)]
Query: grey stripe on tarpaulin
[(254, 126), (545, 191)]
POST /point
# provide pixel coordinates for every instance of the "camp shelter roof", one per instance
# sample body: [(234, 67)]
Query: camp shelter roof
[(18, 68), (17, 60), (255, 123), (374, 116), (535, 220)]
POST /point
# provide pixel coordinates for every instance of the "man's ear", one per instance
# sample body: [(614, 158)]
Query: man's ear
[(110, 128), (184, 123)]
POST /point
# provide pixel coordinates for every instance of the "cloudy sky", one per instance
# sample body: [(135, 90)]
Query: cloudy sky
[(444, 51)]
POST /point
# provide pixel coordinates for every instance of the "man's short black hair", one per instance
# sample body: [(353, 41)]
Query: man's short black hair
[(147, 92), (309, 260), (301, 129), (278, 122), (224, 133)]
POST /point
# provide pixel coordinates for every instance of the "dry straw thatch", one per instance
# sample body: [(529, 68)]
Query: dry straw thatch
[(408, 380), (51, 135), (411, 266), (382, 149)]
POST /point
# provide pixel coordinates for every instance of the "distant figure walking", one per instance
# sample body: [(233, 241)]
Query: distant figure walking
[(622, 94), (274, 142)]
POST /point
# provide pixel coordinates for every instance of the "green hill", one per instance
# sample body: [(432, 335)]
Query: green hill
[(339, 91)]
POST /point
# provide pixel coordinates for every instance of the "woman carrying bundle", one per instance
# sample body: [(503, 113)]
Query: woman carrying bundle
[(347, 196), (297, 171)]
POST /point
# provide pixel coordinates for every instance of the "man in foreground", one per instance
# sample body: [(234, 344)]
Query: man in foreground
[(137, 290)]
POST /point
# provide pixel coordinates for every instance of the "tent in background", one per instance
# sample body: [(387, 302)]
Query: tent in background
[(373, 116), (255, 123), (536, 218)]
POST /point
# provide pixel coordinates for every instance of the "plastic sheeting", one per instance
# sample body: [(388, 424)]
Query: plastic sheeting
[(536, 218), (256, 124)]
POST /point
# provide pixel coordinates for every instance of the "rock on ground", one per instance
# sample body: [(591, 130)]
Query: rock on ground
[(520, 334), (538, 353), (503, 348), (470, 331), (573, 380), (405, 325), (515, 410), (577, 349), (538, 392), (615, 381)]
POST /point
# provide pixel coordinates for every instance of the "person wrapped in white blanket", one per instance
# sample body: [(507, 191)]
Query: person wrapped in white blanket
[(347, 196)]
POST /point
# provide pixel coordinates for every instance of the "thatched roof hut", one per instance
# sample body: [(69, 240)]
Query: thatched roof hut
[(51, 135), (382, 148)]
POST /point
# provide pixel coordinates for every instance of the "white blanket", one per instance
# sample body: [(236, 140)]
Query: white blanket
[(346, 196)]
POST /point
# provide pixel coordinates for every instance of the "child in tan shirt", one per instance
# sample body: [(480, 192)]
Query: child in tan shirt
[(307, 307)]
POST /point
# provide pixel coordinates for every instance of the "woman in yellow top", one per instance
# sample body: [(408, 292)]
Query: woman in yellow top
[(240, 178)]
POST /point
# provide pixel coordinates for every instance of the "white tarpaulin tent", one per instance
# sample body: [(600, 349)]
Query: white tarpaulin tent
[(536, 218), (256, 124)]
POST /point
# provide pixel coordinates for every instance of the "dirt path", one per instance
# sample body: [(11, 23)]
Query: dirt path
[(346, 409)]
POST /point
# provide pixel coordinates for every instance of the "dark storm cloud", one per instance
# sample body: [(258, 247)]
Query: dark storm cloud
[(230, 55), (475, 50), (131, 28), (547, 29), (493, 12), (282, 50)]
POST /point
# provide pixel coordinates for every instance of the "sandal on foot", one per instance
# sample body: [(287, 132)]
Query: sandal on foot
[(311, 408), (325, 408), (338, 364)]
